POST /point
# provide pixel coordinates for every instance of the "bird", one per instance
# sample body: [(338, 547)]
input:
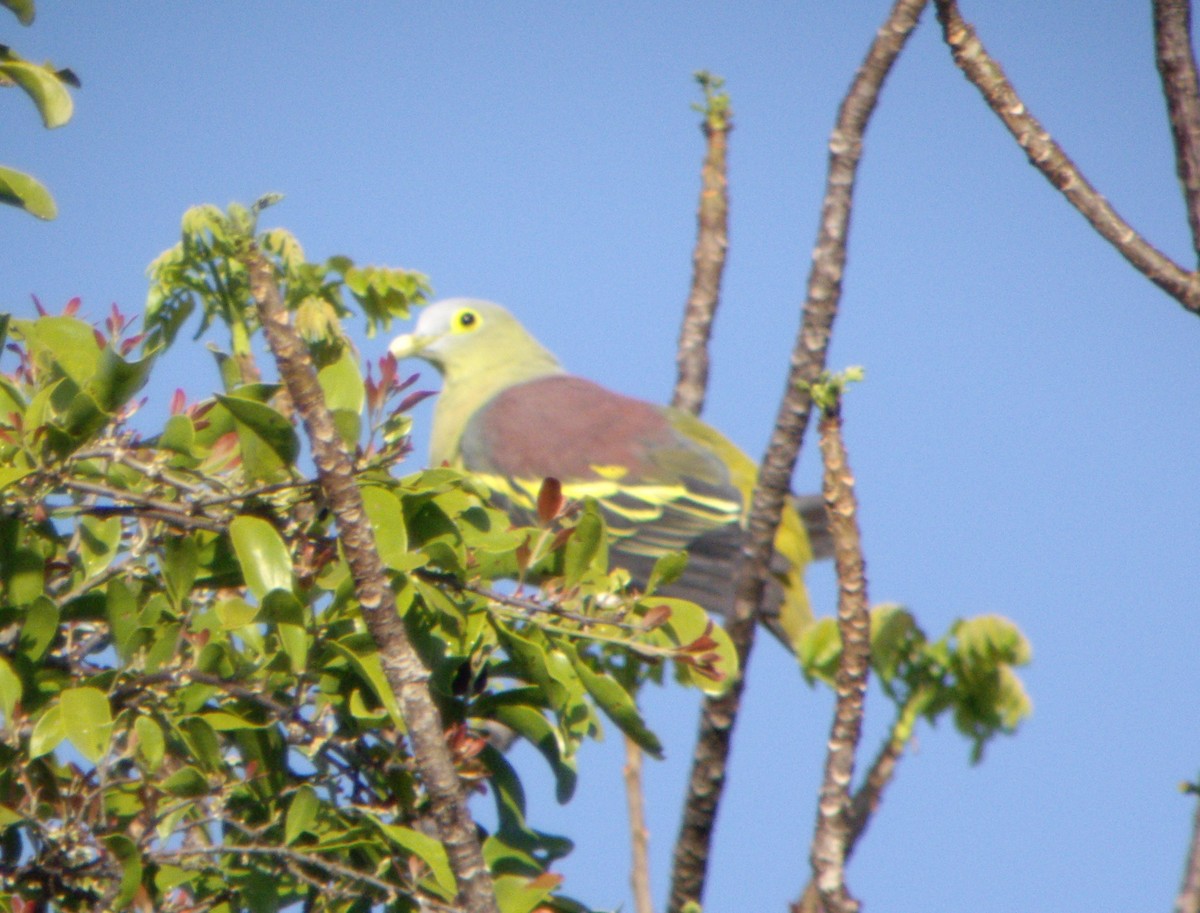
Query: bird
[(665, 481)]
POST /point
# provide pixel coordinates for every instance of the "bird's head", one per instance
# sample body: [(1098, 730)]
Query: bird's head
[(465, 337)]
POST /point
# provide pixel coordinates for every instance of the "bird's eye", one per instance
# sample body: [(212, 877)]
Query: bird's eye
[(465, 320)]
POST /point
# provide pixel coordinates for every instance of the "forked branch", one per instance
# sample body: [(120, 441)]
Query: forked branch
[(706, 782), (1049, 158)]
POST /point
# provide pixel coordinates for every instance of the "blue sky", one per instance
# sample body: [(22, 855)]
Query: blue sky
[(1026, 441)]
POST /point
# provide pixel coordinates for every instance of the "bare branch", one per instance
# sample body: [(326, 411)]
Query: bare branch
[(869, 794), (706, 782), (708, 259), (831, 840), (1188, 900), (639, 834), (1176, 61), (402, 667), (1048, 157)]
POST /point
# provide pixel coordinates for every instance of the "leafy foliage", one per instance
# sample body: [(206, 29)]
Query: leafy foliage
[(47, 89), (194, 715), (968, 672)]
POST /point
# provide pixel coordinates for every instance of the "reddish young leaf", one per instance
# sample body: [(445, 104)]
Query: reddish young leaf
[(550, 500), (523, 553), (656, 617)]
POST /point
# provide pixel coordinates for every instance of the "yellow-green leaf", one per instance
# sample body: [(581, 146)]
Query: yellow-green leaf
[(387, 519), (266, 564), (301, 815), (43, 85), (87, 720), (48, 732), (25, 192)]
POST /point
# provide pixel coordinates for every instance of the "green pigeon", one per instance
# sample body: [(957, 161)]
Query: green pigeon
[(665, 481)]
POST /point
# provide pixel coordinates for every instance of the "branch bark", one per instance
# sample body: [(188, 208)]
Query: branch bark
[(1048, 157), (1176, 59), (1188, 900), (831, 839), (708, 258), (707, 779), (639, 834), (402, 667)]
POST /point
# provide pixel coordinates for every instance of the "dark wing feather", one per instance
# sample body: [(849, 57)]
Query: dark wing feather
[(660, 490)]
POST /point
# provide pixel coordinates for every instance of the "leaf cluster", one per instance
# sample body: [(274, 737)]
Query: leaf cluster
[(46, 87), (969, 672), (194, 714)]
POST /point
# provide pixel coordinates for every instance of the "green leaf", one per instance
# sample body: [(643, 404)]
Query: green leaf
[(667, 569), (181, 560), (387, 519), (301, 814), (285, 611), (87, 721), (39, 629), (618, 704), (24, 571), (892, 630), (268, 440), (510, 811), (519, 894), (151, 745), (48, 733), (43, 85), (116, 380), (22, 9), (186, 783), (10, 691), (266, 563), (98, 542), (343, 384), (819, 649), (533, 659), (529, 723), (370, 668), (223, 721), (25, 192), (179, 435), (235, 613), (123, 618), (62, 344), (429, 851), (587, 549), (126, 852)]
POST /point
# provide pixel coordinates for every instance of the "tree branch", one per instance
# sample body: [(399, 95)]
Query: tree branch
[(831, 840), (708, 259), (709, 762), (402, 667), (1188, 900), (1048, 157), (1176, 59), (639, 843)]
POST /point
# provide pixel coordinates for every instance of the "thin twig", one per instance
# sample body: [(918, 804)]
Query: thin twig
[(1188, 900), (708, 259), (402, 667), (1048, 157), (869, 794), (830, 846), (707, 778), (639, 834), (1176, 59)]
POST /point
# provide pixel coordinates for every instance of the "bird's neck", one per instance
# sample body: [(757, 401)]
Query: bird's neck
[(468, 387)]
